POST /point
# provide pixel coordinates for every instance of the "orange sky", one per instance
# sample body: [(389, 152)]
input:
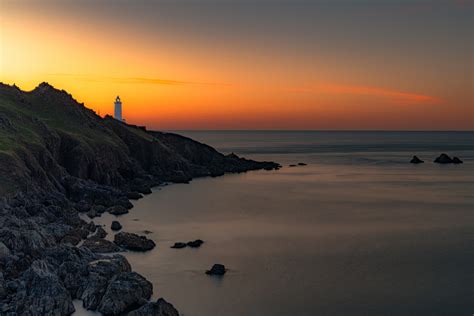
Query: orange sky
[(176, 69)]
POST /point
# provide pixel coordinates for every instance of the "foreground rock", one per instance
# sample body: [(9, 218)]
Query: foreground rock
[(133, 242), (99, 245), (115, 226), (217, 269), (125, 291), (416, 160), (160, 308)]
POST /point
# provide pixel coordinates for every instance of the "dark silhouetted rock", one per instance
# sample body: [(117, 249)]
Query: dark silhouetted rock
[(92, 213), (292, 165), (416, 160), (133, 241), (195, 244), (160, 308), (100, 232), (117, 210), (100, 245), (217, 269), (126, 290), (115, 226), (456, 160), (302, 164), (443, 159), (134, 195), (178, 245)]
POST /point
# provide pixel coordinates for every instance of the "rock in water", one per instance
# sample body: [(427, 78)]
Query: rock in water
[(126, 290), (160, 308), (115, 226), (456, 160), (217, 269), (100, 232), (443, 159), (416, 160), (99, 245), (195, 244), (134, 195), (133, 242), (117, 210), (302, 164), (178, 245)]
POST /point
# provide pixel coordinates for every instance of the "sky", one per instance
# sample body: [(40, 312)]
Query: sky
[(260, 64)]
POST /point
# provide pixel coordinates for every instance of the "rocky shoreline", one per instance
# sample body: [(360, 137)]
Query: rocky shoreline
[(50, 172)]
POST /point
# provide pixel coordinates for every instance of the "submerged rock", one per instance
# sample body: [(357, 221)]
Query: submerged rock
[(117, 210), (99, 245), (217, 269), (416, 160), (125, 291), (292, 165), (302, 164), (116, 226), (443, 159), (160, 308), (178, 245), (133, 241), (195, 244)]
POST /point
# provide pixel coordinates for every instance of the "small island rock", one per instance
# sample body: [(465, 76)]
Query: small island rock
[(195, 244), (443, 159), (133, 242), (456, 160), (178, 245), (416, 160), (217, 269)]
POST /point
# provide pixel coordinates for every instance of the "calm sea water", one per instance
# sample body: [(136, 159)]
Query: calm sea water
[(358, 231)]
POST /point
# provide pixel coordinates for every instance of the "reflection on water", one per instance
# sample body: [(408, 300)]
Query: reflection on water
[(360, 233)]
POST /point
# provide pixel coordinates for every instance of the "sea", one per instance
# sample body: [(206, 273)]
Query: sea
[(358, 230)]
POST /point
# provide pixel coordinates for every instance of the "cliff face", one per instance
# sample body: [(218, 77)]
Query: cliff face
[(59, 159), (47, 137)]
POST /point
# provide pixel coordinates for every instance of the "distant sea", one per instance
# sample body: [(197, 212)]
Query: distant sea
[(357, 231)]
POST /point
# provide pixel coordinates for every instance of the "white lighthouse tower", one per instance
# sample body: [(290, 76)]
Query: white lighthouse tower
[(118, 109)]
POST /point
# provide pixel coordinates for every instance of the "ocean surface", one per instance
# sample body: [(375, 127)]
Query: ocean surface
[(358, 231)]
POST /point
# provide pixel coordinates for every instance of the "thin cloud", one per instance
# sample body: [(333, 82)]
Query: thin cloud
[(136, 80), (401, 97)]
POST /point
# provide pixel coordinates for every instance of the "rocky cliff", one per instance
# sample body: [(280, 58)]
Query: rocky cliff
[(57, 159)]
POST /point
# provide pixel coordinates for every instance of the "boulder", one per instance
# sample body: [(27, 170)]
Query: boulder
[(178, 245), (133, 242), (116, 226), (99, 245), (71, 239), (160, 308), (124, 292), (217, 269), (117, 210), (302, 164), (416, 160), (92, 213), (456, 160), (292, 165), (443, 159), (195, 244), (134, 195), (100, 232)]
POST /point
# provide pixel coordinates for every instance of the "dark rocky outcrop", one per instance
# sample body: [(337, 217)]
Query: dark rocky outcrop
[(179, 245), (195, 243), (159, 308), (100, 232), (416, 160), (456, 160), (133, 242), (217, 269), (302, 164), (117, 210), (115, 226)]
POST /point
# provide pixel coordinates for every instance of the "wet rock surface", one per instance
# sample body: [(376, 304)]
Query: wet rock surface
[(100, 245), (115, 226), (179, 245), (134, 242), (416, 160)]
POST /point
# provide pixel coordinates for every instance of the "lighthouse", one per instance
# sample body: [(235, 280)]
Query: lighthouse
[(118, 109)]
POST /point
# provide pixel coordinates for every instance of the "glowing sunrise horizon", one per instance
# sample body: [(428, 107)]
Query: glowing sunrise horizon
[(376, 65)]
